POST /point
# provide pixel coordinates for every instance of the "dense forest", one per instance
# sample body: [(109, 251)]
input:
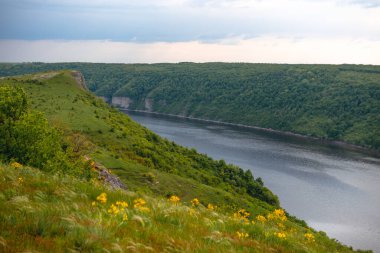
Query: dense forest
[(59, 142), (336, 102)]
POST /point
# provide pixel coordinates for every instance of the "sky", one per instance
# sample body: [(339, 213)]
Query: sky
[(150, 31)]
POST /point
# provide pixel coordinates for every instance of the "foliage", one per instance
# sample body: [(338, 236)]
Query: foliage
[(337, 102), (26, 135)]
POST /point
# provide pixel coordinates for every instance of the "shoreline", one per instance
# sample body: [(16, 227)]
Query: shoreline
[(340, 144)]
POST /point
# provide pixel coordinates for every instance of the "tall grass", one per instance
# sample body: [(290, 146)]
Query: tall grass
[(41, 212)]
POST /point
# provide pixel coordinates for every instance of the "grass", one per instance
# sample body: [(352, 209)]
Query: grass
[(49, 213)]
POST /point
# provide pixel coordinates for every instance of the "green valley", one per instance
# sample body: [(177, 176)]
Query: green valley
[(55, 137)]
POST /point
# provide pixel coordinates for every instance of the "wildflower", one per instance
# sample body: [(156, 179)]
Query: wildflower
[(270, 216), (16, 165), (195, 202), (242, 215), (20, 180), (138, 202), (174, 199), (309, 237), (140, 205), (241, 235), (121, 204), (93, 203), (261, 218), (125, 217), (102, 198), (281, 225), (280, 214), (113, 209), (211, 207), (280, 235)]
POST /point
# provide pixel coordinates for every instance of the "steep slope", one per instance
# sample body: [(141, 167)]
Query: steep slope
[(41, 211)]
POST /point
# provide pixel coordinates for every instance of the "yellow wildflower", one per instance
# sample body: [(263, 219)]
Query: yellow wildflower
[(242, 215), (138, 202), (121, 204), (16, 165), (270, 216), (195, 202), (102, 198), (125, 217), (113, 209), (309, 237), (20, 180), (211, 207), (93, 203), (174, 199), (280, 214), (241, 235), (280, 235), (281, 225), (140, 205), (261, 218)]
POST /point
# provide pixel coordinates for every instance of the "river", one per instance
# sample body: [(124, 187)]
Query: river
[(332, 189)]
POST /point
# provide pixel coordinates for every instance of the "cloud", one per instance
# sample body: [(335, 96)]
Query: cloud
[(265, 49), (186, 20)]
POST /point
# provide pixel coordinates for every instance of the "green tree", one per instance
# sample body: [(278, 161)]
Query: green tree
[(26, 135)]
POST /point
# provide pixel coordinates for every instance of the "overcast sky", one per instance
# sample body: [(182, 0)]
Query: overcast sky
[(278, 31)]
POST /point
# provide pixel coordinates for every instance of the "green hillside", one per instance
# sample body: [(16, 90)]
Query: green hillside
[(336, 102), (176, 199)]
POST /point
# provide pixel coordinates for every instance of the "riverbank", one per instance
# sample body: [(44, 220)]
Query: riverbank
[(335, 143)]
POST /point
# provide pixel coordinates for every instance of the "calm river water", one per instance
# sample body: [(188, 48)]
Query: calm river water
[(332, 189)]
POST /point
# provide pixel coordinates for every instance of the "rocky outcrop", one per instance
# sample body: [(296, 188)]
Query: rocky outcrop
[(148, 104), (109, 179), (122, 102), (79, 78), (106, 176)]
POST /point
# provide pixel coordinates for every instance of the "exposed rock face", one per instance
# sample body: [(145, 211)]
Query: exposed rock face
[(148, 104), (105, 176), (109, 179), (80, 79), (122, 102)]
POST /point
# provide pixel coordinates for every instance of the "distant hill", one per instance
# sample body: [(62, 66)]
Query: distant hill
[(60, 147), (335, 102)]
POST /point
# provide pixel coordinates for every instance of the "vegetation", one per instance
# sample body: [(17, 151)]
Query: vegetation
[(42, 212), (337, 102), (177, 199)]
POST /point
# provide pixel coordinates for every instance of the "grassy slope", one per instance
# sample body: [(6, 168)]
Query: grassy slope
[(44, 213), (113, 139)]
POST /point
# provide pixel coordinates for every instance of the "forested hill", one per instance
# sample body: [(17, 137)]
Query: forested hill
[(338, 102)]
